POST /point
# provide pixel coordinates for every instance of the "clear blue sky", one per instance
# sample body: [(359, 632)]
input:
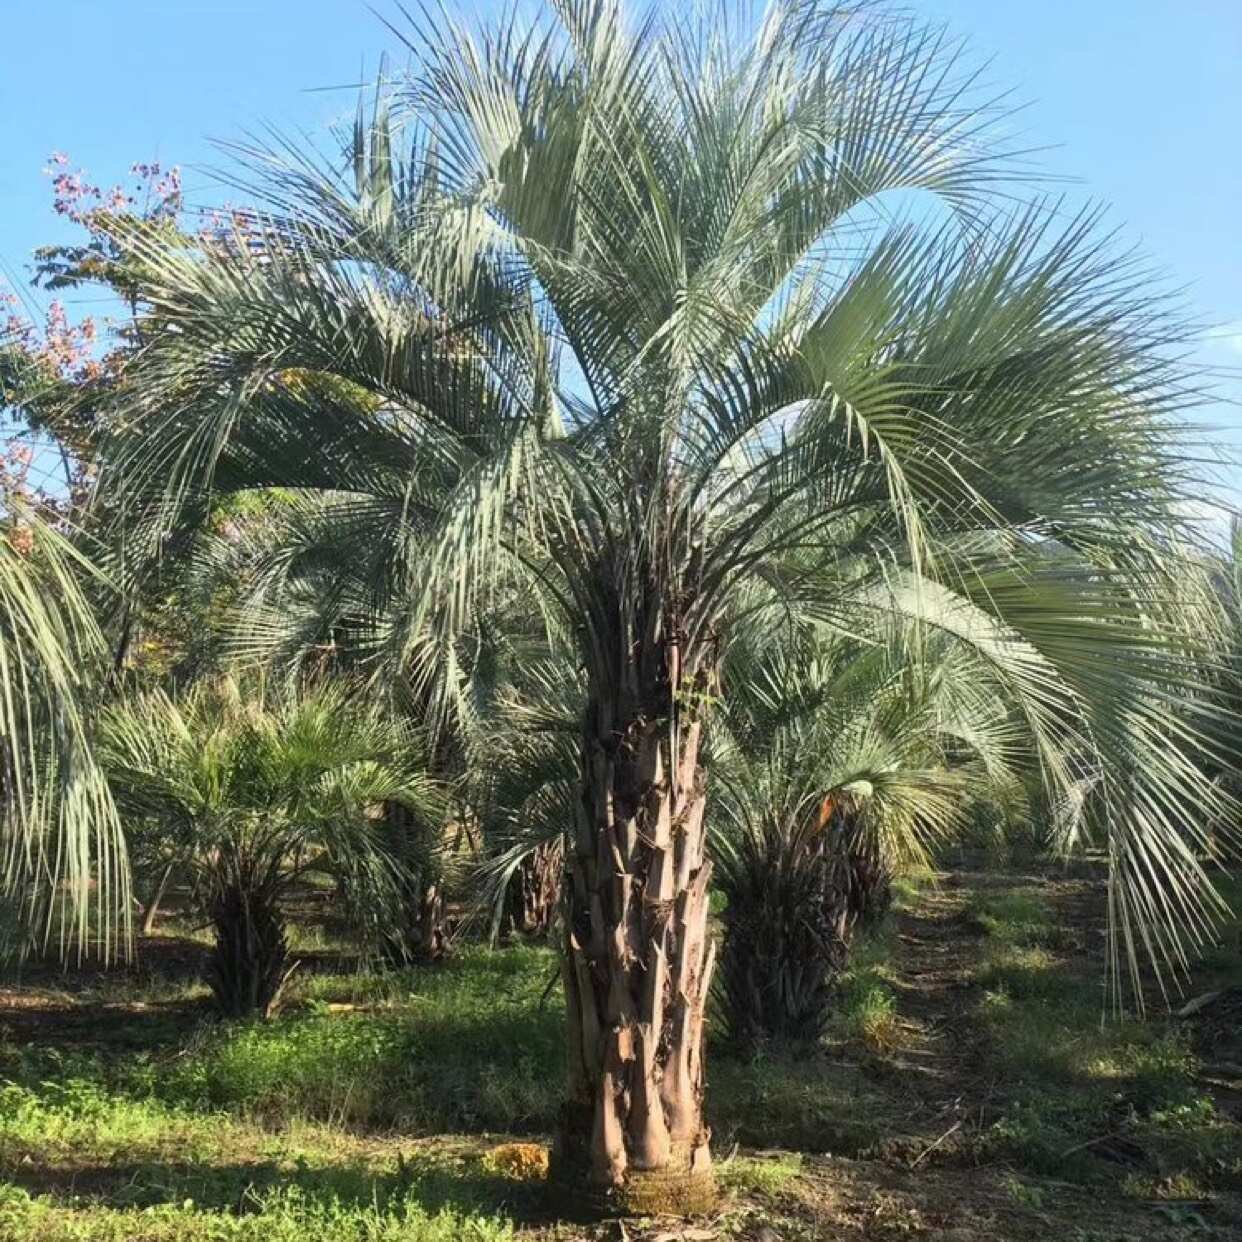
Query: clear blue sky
[(1141, 99)]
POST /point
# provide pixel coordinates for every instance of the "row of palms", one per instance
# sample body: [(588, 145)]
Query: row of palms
[(640, 408)]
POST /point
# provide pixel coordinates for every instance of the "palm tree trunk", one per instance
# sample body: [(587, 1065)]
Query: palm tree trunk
[(637, 963), (532, 894), (422, 934), (248, 967), (153, 906)]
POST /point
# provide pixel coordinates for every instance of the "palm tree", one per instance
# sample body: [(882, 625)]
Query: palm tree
[(834, 767), (318, 594), (615, 310), (250, 799)]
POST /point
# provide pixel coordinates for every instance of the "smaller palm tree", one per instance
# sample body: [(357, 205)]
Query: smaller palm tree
[(837, 766), (252, 797)]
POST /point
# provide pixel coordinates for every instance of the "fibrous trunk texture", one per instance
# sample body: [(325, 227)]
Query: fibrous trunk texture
[(249, 964), (533, 893), (637, 960), (868, 879)]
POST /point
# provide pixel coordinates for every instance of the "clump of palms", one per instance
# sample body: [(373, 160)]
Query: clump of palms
[(251, 798), (619, 316), (835, 767)]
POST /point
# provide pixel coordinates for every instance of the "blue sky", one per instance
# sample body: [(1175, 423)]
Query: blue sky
[(1141, 100)]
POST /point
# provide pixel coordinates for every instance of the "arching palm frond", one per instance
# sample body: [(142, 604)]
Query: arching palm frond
[(63, 869)]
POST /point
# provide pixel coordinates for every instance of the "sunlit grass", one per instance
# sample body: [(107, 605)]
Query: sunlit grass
[(281, 1215), (769, 1175)]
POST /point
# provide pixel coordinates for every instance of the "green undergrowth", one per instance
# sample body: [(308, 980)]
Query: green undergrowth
[(475, 1045), (283, 1214), (797, 1099), (771, 1175), (866, 1002), (1087, 1093), (468, 1046), (308, 1125), (1019, 916)]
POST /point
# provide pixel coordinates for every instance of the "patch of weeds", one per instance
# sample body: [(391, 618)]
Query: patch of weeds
[(184, 926), (760, 1175), (866, 1004), (1044, 1132), (910, 885), (1044, 1025), (1169, 1186), (1017, 916), (144, 987), (868, 1013), (1183, 1216), (341, 1069), (889, 1216), (1156, 1066), (315, 938), (1023, 1192), (82, 1117), (1193, 1140), (1153, 1121), (1027, 971)]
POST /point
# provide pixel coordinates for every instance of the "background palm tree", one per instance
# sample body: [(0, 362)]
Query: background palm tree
[(620, 309), (320, 585), (835, 767), (251, 799)]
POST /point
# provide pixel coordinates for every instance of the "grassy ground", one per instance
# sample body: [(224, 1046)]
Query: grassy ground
[(968, 1089)]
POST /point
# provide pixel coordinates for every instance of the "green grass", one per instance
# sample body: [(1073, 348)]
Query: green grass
[(361, 1114), (770, 1175), (866, 1003), (281, 1215), (1083, 1085), (1018, 917), (465, 1047), (796, 1101)]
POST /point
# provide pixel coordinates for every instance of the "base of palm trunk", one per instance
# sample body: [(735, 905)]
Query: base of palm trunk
[(422, 937), (533, 893), (249, 963), (686, 1187)]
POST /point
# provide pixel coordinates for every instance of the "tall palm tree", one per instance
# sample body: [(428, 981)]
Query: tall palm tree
[(250, 798), (615, 309)]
